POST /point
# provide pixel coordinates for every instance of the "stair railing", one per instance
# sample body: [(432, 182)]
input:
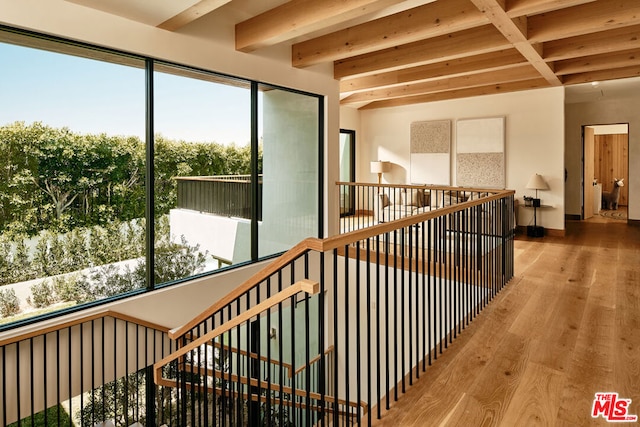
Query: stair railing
[(392, 297), (86, 371)]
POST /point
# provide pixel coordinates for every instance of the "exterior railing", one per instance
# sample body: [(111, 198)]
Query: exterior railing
[(223, 195)]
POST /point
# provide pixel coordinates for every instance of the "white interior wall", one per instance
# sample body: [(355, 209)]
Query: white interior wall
[(534, 141)]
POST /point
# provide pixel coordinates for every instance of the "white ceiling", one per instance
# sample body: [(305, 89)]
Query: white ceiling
[(151, 12), (597, 91)]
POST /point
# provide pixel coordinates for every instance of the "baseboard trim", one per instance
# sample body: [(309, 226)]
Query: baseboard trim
[(551, 232), (634, 222), (572, 217)]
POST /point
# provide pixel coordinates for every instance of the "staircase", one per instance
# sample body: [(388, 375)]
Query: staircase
[(329, 333)]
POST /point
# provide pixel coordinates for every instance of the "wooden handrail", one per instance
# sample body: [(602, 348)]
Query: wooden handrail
[(255, 356), (420, 187), (282, 261), (330, 243), (304, 285), (328, 351), (78, 321), (265, 386)]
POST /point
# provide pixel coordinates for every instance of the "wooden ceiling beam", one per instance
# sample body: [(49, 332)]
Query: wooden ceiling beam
[(624, 59), (457, 94), (515, 30), (578, 20), (430, 20), (298, 17), (492, 61), (451, 46), (592, 44), (595, 76), (521, 73), (192, 13), (517, 8)]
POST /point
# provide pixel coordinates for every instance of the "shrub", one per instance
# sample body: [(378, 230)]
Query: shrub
[(9, 303), (42, 295), (68, 288)]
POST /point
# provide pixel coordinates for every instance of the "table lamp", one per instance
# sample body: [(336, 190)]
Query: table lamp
[(536, 182), (380, 167)]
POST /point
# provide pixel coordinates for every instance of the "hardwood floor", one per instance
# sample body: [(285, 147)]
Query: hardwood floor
[(566, 327)]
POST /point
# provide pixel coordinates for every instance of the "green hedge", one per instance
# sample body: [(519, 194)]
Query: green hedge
[(58, 180)]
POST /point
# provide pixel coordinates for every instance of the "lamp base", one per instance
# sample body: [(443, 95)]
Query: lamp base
[(535, 231)]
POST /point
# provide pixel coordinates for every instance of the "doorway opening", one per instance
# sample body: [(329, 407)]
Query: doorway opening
[(605, 161)]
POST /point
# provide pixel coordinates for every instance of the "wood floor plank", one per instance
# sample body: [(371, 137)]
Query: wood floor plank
[(498, 381), (591, 368), (536, 401), (627, 334)]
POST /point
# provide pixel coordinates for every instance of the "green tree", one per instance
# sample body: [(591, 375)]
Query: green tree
[(121, 401)]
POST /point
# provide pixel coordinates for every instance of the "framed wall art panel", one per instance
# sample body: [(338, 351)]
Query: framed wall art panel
[(480, 160), (431, 152)]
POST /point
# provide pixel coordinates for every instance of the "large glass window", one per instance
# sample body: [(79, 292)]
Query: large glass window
[(202, 172), (72, 209), (235, 170)]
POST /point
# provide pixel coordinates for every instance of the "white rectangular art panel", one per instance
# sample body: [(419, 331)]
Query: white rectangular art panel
[(480, 152), (431, 152)]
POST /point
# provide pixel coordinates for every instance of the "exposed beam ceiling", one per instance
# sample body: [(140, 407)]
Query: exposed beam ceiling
[(393, 52), (299, 17)]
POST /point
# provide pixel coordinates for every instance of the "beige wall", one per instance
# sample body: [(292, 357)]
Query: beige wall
[(534, 141)]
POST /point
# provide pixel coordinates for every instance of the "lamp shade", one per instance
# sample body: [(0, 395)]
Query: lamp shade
[(536, 182), (380, 167)]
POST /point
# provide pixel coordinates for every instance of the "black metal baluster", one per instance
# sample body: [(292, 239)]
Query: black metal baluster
[(280, 353), (386, 313), (346, 323), (4, 385), (32, 386), (378, 349), (357, 338), (336, 339), (368, 307), (402, 307), (322, 343), (70, 372), (269, 361), (18, 391), (430, 281), (307, 328)]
